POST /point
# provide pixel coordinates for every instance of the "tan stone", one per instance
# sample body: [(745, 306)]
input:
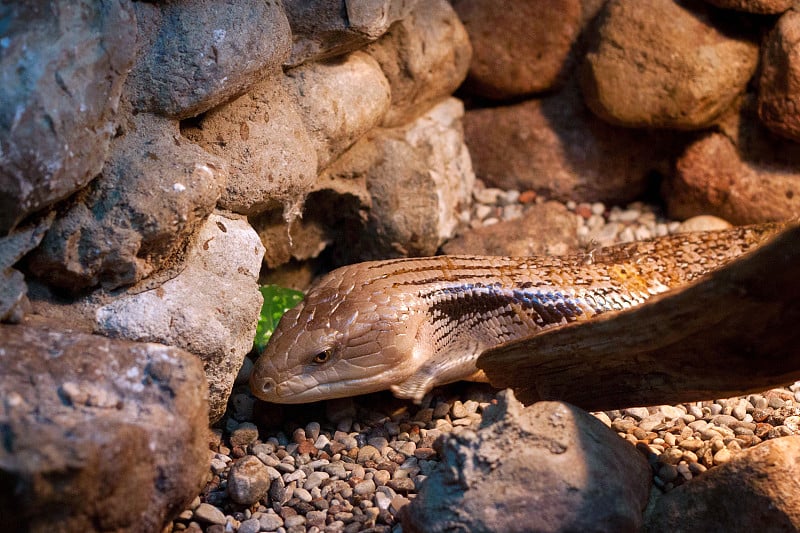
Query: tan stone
[(779, 84)]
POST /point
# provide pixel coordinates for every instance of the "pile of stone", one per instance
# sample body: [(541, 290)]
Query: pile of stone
[(160, 160)]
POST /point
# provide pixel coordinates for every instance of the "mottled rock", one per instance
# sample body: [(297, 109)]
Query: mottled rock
[(757, 490), (99, 434), (13, 289), (666, 64), (209, 308), (779, 83), (519, 47), (558, 148), (712, 177), (550, 467), (340, 100), (425, 57), (545, 229), (197, 54), (62, 68), (410, 172), (156, 189), (248, 480), (322, 29), (261, 134), (761, 7)]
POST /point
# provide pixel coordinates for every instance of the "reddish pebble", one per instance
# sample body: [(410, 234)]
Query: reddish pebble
[(584, 210), (307, 446), (527, 197)]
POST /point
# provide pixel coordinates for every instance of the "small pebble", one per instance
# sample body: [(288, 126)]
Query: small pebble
[(209, 514)]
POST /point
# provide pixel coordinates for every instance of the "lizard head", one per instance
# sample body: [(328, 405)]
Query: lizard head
[(345, 338)]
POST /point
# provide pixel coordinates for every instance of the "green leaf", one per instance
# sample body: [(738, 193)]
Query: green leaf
[(277, 300)]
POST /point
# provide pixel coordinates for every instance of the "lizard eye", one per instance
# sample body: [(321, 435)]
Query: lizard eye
[(323, 357)]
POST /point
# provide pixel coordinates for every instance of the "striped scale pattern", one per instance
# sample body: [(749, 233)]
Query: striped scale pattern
[(413, 323)]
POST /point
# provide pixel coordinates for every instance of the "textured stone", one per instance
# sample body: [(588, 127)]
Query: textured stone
[(99, 434), (666, 64), (195, 54), (425, 57), (62, 68), (762, 7), (156, 189), (779, 83), (261, 134), (519, 47), (340, 101), (712, 177), (757, 490), (409, 172), (13, 289), (550, 467), (248, 480), (545, 229), (210, 308), (322, 29), (558, 148)]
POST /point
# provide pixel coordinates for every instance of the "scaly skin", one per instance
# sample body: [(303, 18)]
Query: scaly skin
[(411, 324)]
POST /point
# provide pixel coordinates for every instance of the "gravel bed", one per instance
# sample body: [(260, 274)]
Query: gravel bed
[(350, 465)]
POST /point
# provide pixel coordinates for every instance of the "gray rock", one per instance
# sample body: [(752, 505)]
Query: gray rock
[(248, 480), (250, 525), (109, 432), (13, 289), (270, 521), (425, 57), (581, 476), (209, 514), (262, 136), (155, 191), (61, 76), (410, 172), (756, 490), (210, 308), (322, 29), (197, 54), (340, 101)]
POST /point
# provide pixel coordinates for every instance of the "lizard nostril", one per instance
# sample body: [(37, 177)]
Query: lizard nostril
[(268, 386)]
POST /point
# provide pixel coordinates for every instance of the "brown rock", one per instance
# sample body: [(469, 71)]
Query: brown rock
[(261, 134), (559, 149), (757, 490), (666, 64), (322, 29), (425, 57), (340, 101), (61, 75), (197, 54), (712, 177), (100, 434), (519, 47), (762, 7), (545, 229), (550, 467), (779, 84), (155, 191)]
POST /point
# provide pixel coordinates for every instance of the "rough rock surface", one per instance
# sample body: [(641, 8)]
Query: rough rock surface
[(99, 434), (272, 160), (762, 7), (545, 229), (340, 100), (757, 490), (61, 73), (779, 84), (13, 289), (519, 47), (210, 308), (156, 189), (425, 57), (584, 476), (713, 177), (198, 53), (558, 148), (410, 173), (665, 64), (322, 29)]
